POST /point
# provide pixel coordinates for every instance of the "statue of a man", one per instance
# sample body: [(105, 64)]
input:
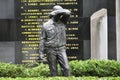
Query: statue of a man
[(53, 40)]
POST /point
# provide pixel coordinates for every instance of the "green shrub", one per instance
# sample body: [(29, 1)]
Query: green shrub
[(57, 78), (41, 70), (100, 68), (10, 70), (13, 70)]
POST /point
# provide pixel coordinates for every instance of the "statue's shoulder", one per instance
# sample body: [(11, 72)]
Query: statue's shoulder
[(47, 24)]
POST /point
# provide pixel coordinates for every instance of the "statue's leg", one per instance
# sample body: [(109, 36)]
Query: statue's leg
[(52, 61), (63, 61)]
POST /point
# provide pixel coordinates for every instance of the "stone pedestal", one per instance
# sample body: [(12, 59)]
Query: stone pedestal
[(99, 35), (118, 28)]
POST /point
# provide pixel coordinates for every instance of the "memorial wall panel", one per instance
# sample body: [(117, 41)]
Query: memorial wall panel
[(30, 15)]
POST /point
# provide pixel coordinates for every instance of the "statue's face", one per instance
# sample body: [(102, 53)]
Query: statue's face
[(57, 17)]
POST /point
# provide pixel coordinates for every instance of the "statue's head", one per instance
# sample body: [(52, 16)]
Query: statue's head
[(56, 7)]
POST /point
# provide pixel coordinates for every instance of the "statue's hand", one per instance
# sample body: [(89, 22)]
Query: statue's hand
[(41, 57)]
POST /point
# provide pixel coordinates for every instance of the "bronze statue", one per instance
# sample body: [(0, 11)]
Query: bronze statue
[(53, 41)]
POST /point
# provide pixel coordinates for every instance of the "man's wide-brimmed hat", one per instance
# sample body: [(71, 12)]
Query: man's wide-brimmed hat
[(56, 7)]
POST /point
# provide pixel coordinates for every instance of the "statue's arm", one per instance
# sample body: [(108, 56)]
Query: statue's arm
[(42, 41), (66, 15), (62, 14)]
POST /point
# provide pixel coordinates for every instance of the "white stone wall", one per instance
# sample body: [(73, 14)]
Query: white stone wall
[(118, 28), (99, 35)]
